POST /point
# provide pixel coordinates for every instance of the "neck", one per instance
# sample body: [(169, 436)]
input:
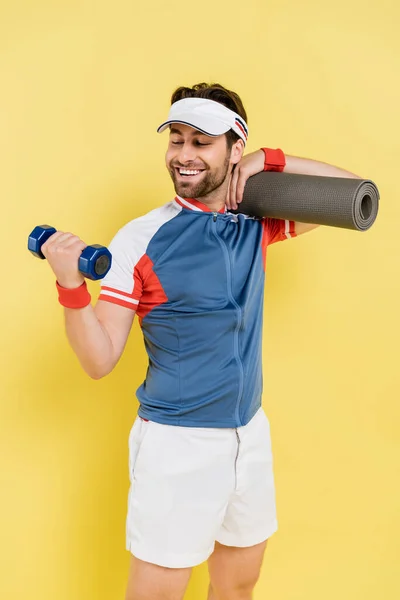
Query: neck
[(216, 199), (214, 206)]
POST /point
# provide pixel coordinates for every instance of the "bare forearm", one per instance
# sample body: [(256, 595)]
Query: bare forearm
[(89, 340), (306, 166)]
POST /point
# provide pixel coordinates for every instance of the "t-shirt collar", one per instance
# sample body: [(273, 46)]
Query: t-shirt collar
[(195, 205)]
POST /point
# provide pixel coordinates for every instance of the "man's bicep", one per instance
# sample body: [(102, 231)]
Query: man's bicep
[(121, 289), (304, 227), (117, 321)]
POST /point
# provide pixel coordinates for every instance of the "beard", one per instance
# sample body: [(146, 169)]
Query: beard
[(209, 182)]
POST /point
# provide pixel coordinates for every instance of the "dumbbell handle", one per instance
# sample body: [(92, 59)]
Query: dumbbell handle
[(94, 262)]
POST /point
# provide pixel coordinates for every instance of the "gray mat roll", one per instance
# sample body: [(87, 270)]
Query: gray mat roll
[(333, 201)]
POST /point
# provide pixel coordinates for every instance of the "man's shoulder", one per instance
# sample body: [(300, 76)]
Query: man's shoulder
[(142, 229), (154, 218)]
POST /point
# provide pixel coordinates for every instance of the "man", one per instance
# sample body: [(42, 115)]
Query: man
[(200, 464)]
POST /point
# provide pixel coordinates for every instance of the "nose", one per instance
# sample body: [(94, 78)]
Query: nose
[(187, 153)]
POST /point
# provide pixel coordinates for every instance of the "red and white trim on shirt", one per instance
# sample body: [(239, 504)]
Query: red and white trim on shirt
[(193, 204), (276, 230), (289, 229), (118, 297)]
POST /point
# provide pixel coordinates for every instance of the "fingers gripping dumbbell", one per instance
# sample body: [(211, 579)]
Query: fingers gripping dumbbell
[(94, 262)]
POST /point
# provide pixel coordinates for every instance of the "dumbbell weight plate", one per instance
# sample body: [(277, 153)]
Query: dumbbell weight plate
[(38, 237), (95, 261)]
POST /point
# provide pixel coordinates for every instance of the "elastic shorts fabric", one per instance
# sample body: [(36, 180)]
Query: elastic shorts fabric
[(193, 486)]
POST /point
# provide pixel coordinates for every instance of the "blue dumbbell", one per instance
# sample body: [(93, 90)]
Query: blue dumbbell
[(94, 262)]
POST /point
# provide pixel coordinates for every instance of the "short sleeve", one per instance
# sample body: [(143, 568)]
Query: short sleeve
[(131, 282), (123, 283), (278, 230)]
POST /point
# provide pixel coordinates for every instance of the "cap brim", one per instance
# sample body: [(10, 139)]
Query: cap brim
[(207, 125)]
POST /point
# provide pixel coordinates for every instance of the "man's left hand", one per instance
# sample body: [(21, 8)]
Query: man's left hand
[(251, 164)]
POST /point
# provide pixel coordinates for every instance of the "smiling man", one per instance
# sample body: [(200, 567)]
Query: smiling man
[(202, 484)]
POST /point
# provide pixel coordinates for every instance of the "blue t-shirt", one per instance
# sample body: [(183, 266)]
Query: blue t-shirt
[(196, 281)]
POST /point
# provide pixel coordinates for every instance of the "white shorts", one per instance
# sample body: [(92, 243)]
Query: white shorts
[(192, 486)]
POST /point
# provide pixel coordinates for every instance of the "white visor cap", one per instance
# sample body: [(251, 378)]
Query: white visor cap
[(207, 116)]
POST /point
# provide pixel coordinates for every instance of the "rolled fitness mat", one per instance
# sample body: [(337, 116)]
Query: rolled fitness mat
[(334, 201)]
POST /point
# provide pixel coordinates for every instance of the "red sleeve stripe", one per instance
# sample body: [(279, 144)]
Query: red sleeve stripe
[(117, 301), (120, 292), (127, 298)]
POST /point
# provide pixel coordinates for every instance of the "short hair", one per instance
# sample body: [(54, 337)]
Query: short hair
[(218, 93)]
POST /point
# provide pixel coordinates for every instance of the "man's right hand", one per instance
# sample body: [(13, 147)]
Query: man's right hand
[(62, 251)]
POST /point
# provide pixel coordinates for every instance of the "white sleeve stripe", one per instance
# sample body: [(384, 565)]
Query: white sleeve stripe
[(119, 297), (287, 229)]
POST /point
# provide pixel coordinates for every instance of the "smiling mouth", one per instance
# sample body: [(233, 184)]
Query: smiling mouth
[(188, 173)]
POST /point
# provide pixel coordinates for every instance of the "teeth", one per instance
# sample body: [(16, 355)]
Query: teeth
[(187, 172)]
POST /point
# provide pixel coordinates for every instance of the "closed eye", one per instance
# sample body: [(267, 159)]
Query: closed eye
[(197, 144)]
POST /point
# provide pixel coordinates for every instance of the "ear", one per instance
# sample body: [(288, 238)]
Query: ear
[(237, 152)]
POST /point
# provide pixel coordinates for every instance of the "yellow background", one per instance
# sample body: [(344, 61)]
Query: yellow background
[(83, 87)]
